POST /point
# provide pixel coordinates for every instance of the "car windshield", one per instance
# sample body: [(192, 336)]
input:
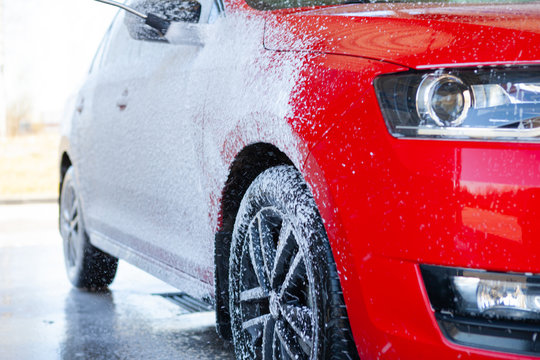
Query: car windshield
[(283, 4)]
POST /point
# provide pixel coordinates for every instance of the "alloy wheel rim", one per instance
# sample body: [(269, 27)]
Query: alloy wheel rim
[(70, 225), (277, 306)]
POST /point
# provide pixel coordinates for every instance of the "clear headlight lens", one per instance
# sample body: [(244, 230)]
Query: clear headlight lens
[(443, 99), (502, 104), (485, 294)]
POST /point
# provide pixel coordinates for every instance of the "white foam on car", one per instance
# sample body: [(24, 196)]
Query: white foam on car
[(156, 170)]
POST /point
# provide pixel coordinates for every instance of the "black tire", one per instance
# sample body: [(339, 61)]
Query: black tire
[(285, 296), (87, 267)]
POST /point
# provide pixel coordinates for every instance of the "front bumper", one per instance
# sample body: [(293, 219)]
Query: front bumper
[(390, 205)]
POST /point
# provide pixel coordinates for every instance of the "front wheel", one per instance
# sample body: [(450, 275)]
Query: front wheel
[(285, 296), (86, 266)]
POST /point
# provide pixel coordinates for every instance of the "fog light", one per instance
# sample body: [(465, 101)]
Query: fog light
[(506, 299), (497, 298), (466, 292), (488, 310)]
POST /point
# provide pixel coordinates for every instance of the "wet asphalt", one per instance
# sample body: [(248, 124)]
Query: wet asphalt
[(43, 317)]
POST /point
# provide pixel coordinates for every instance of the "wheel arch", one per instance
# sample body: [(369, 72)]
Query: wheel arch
[(65, 163), (251, 161)]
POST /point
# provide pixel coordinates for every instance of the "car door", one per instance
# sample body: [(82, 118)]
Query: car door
[(141, 168)]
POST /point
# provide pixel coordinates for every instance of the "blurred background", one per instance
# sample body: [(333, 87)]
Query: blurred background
[(45, 51)]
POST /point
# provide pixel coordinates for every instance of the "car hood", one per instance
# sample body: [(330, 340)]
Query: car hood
[(412, 35)]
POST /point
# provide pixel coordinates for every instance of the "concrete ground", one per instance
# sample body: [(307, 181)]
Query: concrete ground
[(43, 317)]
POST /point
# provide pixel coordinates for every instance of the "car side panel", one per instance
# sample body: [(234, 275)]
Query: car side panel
[(155, 212)]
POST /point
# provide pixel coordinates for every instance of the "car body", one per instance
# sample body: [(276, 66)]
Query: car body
[(166, 138)]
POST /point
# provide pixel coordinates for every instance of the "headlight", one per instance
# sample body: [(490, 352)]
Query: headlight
[(443, 99), (501, 104)]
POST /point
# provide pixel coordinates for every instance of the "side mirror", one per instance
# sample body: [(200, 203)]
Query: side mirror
[(151, 20)]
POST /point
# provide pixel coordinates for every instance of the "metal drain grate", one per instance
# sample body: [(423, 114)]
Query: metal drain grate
[(187, 302)]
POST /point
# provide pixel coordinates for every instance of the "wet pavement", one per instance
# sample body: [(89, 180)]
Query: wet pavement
[(43, 317)]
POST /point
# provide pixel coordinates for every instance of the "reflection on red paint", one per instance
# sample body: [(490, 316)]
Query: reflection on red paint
[(493, 223)]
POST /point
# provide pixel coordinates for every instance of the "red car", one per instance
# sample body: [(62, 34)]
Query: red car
[(340, 180)]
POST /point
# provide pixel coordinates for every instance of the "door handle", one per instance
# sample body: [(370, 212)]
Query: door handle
[(80, 105), (122, 101)]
